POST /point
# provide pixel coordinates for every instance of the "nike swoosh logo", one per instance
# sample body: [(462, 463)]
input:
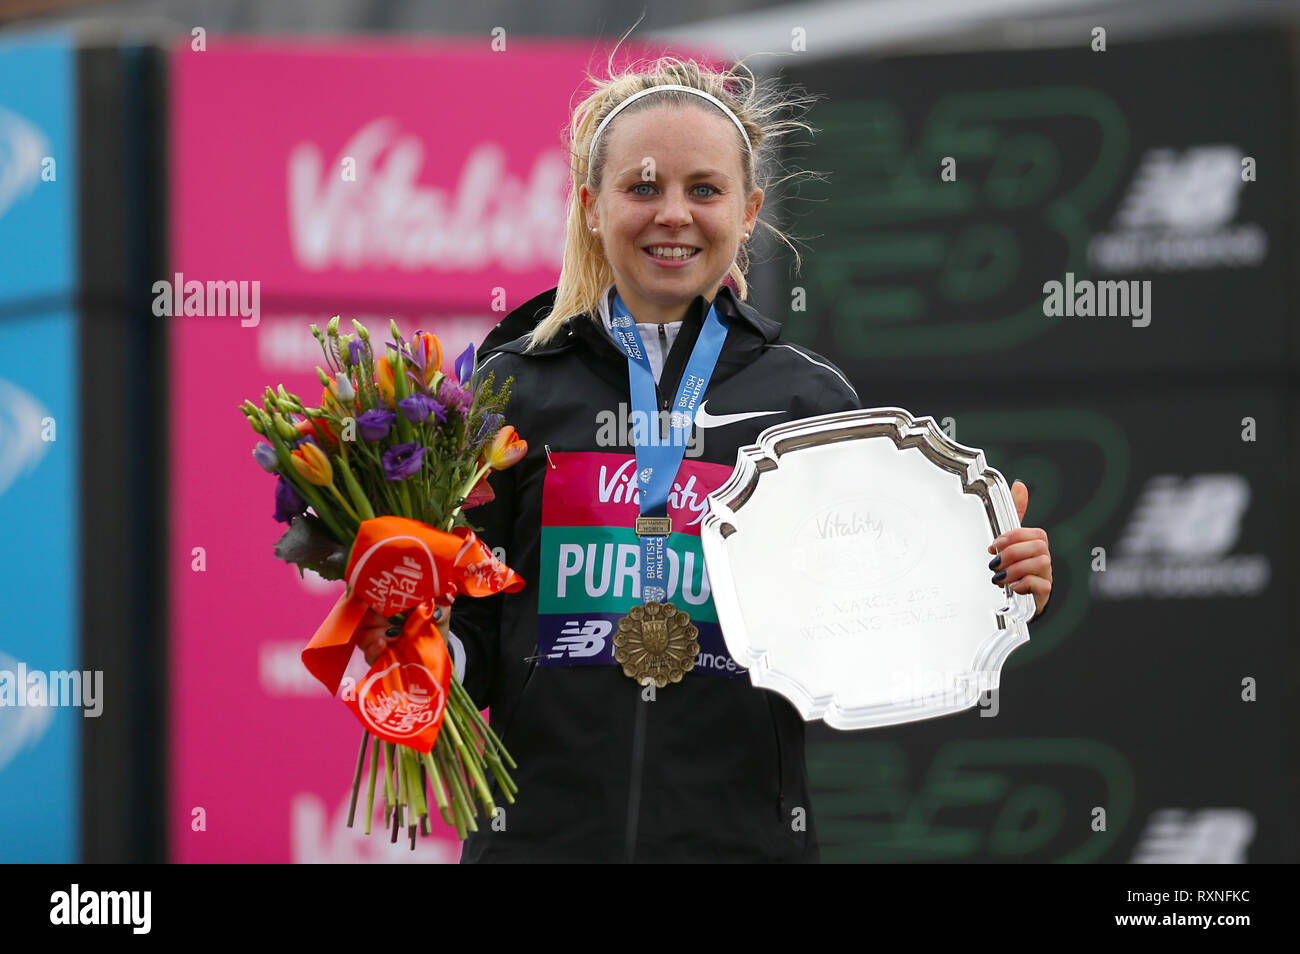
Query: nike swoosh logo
[(704, 419)]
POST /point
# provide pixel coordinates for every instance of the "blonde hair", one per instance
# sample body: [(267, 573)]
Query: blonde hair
[(585, 272)]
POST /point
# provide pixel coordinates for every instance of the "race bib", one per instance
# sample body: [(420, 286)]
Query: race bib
[(590, 574)]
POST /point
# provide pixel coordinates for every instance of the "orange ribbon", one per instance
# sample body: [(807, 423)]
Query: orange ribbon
[(398, 564)]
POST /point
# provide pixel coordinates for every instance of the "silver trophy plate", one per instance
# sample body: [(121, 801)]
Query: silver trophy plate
[(848, 559)]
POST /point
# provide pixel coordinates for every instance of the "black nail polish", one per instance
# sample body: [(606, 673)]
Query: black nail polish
[(993, 564), (437, 614), (999, 576), (393, 631)]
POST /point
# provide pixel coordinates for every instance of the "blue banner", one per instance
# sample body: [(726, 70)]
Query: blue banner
[(38, 171), (43, 694)]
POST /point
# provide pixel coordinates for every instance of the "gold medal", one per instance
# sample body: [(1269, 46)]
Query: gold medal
[(656, 643)]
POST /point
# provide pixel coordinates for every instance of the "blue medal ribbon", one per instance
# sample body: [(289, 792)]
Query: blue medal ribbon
[(658, 460)]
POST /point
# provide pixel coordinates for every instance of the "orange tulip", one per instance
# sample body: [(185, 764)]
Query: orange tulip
[(505, 450), (384, 379), (428, 347), (319, 430), (481, 494), (312, 465)]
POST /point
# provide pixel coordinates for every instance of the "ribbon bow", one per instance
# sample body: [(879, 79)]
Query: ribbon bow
[(398, 564)]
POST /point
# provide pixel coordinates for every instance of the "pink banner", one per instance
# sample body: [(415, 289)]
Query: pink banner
[(418, 181), (602, 490), (373, 171)]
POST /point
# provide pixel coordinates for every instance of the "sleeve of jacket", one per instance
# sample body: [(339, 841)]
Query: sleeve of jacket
[(475, 626), (834, 392)]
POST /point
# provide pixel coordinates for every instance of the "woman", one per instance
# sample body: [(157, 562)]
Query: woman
[(666, 195)]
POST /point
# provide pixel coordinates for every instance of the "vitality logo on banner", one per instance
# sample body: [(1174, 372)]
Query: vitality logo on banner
[(590, 562)]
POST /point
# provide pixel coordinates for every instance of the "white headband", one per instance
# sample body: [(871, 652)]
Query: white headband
[(655, 89)]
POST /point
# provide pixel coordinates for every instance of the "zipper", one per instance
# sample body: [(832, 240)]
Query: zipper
[(663, 359), (532, 668), (634, 779)]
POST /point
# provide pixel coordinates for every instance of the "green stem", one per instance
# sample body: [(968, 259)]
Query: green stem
[(460, 693), (346, 506), (417, 786), (385, 486), (462, 801), (508, 787), (407, 509), (400, 392), (388, 777), (356, 777), (399, 781), (374, 773), (455, 803), (435, 783), (354, 489), (470, 758), (464, 492)]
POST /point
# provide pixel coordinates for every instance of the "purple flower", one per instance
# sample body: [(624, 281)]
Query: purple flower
[(403, 461), (265, 456), (415, 356), (418, 407), (465, 364), (287, 502), (374, 425), (491, 424), (356, 351), (409, 362), (453, 396)]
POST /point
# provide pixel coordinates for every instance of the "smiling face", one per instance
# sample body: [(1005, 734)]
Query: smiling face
[(672, 179)]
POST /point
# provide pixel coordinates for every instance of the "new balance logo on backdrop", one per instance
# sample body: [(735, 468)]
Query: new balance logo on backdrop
[(1177, 216), (1177, 540), (1211, 836)]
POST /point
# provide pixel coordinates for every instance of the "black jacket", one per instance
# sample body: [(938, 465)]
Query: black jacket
[(713, 768)]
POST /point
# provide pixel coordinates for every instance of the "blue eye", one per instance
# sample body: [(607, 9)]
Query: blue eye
[(703, 185)]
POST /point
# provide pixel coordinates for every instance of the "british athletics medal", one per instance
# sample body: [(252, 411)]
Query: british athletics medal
[(656, 642)]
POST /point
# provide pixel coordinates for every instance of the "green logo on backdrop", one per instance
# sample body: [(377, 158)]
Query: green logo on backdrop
[(900, 249), (1020, 799)]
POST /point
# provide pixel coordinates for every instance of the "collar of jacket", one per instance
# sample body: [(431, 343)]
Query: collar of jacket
[(587, 339), (509, 333)]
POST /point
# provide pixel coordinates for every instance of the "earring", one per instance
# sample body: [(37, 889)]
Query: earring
[(595, 230)]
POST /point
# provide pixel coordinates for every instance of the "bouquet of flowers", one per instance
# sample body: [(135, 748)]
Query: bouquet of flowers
[(374, 483)]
